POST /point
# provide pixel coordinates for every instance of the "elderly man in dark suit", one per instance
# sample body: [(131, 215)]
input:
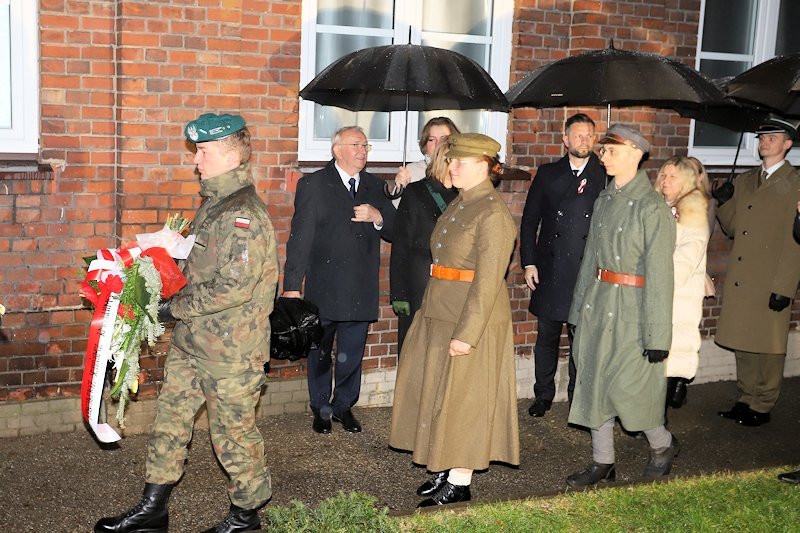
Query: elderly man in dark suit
[(555, 224), (340, 215)]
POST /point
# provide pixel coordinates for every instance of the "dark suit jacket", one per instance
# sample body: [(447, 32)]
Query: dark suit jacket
[(339, 259), (411, 246), (561, 216)]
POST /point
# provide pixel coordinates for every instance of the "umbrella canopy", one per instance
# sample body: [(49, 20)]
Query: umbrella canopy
[(732, 114), (774, 84), (405, 77), (613, 77)]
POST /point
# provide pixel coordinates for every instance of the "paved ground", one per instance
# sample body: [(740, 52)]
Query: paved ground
[(64, 482)]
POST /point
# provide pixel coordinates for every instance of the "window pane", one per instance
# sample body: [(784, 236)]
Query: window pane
[(475, 51), (466, 121), (332, 46), (788, 38), (729, 25), (5, 67), (708, 135), (358, 13), (715, 68), (473, 17)]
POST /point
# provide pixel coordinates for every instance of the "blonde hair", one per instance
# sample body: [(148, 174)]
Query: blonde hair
[(691, 173), (438, 167), (238, 142)]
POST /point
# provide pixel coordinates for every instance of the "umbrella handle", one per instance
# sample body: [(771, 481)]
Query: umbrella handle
[(395, 193)]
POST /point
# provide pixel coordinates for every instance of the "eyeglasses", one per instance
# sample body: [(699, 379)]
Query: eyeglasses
[(356, 146)]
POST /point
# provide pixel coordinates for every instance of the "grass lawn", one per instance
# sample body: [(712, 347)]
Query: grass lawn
[(749, 501)]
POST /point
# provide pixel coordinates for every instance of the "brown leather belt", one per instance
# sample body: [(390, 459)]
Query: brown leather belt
[(631, 280), (453, 274)]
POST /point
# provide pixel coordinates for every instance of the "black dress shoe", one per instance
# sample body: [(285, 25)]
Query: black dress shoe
[(348, 421), (433, 484), (790, 477), (449, 493), (321, 425), (752, 418), (539, 407), (660, 463), (593, 474), (734, 412), (237, 521)]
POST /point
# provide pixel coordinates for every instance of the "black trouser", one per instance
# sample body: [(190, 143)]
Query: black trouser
[(545, 358), (351, 338)]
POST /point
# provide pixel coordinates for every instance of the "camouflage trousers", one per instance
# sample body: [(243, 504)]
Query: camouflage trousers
[(230, 392)]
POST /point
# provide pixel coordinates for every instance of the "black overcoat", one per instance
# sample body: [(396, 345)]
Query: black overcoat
[(411, 246), (338, 258), (561, 216)]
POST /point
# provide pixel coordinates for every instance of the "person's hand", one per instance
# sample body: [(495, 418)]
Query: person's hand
[(367, 213), (401, 308), (402, 178), (532, 276), (458, 347), (722, 193), (291, 294), (779, 302), (164, 312), (655, 356)]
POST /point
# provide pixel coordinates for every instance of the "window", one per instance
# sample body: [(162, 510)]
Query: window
[(19, 77), (734, 36), (479, 29)]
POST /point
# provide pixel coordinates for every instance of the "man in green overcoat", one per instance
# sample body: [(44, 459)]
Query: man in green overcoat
[(622, 311), (757, 210)]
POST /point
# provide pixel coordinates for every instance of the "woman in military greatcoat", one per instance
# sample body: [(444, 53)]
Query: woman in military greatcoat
[(455, 397)]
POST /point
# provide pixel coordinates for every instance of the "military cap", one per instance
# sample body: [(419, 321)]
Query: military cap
[(627, 135), (211, 127), (775, 124), (472, 145)]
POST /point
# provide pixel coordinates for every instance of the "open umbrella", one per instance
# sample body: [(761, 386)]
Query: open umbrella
[(774, 84), (405, 77), (614, 77)]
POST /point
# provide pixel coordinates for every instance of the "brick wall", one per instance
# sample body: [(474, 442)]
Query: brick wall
[(120, 78)]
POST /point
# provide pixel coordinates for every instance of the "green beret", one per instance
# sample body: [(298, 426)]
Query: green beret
[(472, 145), (211, 127)]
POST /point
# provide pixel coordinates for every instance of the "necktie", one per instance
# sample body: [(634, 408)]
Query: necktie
[(352, 183), (762, 177)]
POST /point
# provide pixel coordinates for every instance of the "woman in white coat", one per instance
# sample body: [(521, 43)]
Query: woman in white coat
[(683, 183)]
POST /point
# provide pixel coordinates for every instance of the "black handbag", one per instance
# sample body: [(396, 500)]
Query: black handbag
[(296, 328)]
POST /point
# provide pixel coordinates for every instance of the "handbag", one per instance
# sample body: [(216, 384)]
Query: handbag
[(296, 329)]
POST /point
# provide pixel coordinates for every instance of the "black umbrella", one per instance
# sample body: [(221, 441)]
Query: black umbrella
[(614, 77), (406, 77), (774, 84)]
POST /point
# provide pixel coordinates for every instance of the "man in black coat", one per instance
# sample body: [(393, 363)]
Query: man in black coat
[(340, 215), (558, 208)]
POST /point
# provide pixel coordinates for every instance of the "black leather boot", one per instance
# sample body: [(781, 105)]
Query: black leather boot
[(147, 516), (449, 493), (660, 462), (238, 520), (593, 474), (433, 484), (676, 392)]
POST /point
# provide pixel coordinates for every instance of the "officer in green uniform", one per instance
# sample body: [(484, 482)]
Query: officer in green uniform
[(221, 339)]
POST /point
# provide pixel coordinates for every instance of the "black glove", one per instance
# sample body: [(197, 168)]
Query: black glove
[(655, 356), (164, 312), (722, 193), (778, 302), (571, 330)]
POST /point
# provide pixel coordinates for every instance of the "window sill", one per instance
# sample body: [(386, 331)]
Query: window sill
[(26, 170)]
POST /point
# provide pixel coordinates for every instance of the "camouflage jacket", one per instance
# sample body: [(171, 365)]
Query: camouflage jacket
[(232, 273)]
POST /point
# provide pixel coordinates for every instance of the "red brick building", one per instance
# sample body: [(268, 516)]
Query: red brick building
[(104, 88)]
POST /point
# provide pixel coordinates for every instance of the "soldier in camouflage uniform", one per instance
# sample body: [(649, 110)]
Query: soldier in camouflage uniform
[(221, 340)]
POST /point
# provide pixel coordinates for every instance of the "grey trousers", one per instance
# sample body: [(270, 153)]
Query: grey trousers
[(603, 441)]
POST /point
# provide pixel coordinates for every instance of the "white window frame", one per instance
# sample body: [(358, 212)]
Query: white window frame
[(408, 14), (767, 14), (23, 136)]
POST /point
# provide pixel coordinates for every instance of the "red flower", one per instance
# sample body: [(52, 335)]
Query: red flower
[(114, 284), (125, 311)]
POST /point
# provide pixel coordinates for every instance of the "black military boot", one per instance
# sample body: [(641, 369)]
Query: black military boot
[(593, 474), (147, 516), (676, 392), (660, 463), (238, 519)]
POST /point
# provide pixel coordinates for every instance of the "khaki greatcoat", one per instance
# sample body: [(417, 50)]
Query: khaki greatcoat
[(632, 232), (765, 259), (462, 411)]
